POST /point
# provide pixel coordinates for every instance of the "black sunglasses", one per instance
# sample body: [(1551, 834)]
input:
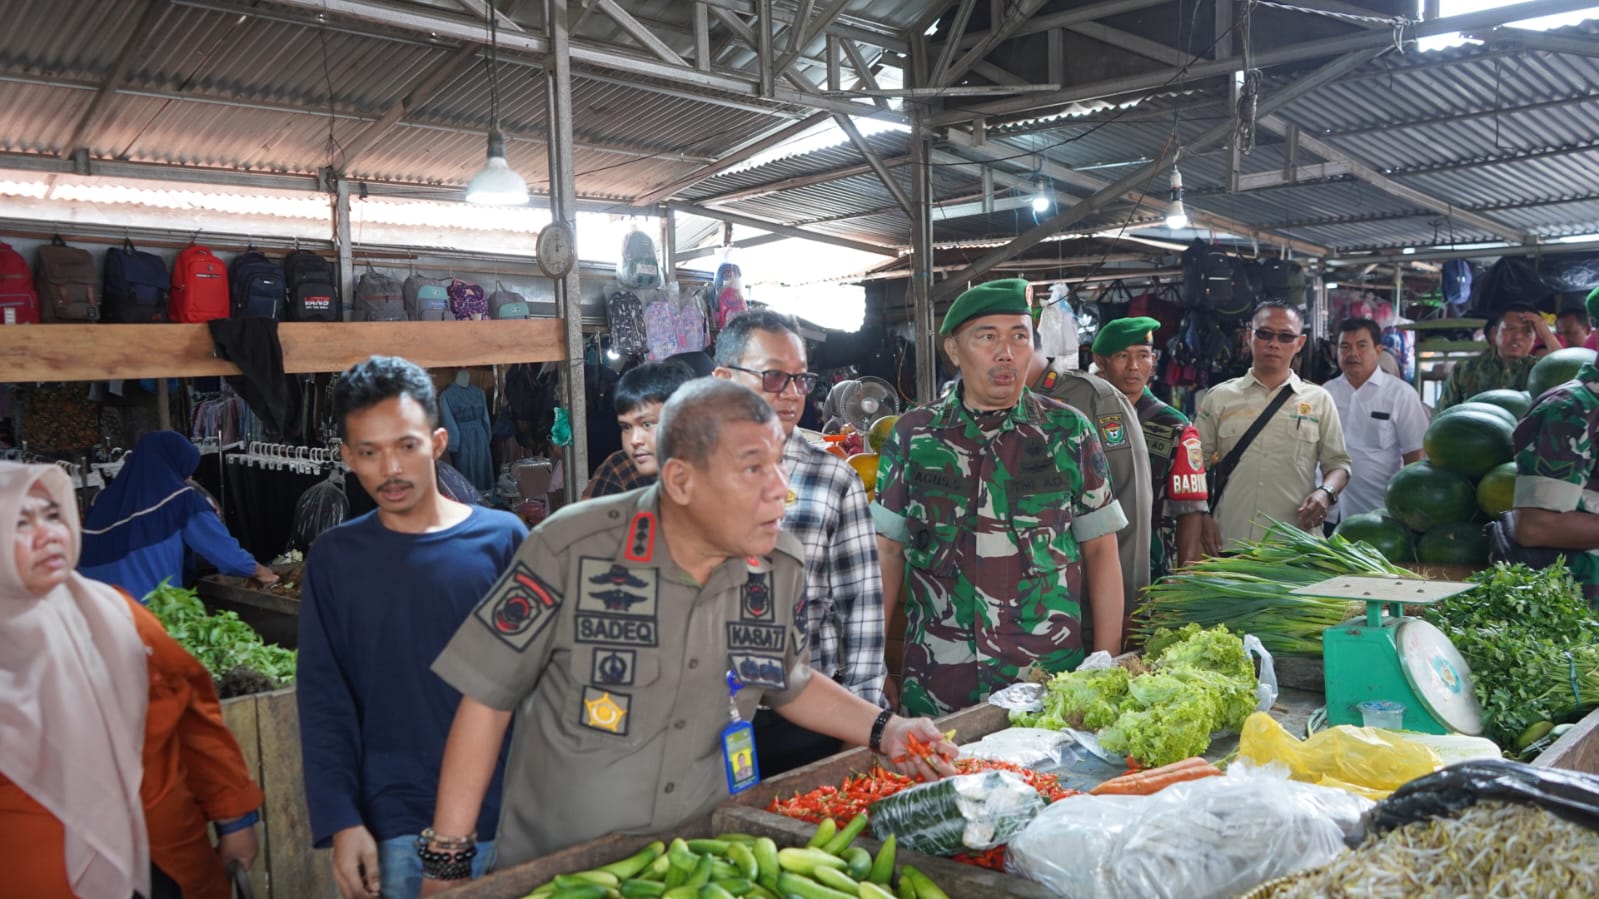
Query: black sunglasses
[(774, 381), (1275, 336)]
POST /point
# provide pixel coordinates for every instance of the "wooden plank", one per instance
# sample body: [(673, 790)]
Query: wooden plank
[(239, 714), (233, 590), (296, 869), (93, 352), (519, 880), (1577, 750)]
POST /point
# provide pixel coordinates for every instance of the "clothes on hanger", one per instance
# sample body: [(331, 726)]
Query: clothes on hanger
[(464, 413)]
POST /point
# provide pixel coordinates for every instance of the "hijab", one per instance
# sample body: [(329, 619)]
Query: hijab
[(73, 692), (147, 503)]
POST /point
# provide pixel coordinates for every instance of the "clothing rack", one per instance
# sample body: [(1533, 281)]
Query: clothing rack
[(284, 457)]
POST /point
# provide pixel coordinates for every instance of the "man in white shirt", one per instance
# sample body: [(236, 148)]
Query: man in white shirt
[(1382, 416)]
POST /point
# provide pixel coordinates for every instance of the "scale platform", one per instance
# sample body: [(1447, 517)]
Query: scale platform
[(1387, 656)]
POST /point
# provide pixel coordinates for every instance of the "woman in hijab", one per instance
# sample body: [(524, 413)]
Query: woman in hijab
[(135, 534), (113, 754)]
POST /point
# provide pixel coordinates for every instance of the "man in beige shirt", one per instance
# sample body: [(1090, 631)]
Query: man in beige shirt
[(1275, 479), (611, 638)]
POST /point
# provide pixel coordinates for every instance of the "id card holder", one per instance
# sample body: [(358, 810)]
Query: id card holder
[(739, 763)]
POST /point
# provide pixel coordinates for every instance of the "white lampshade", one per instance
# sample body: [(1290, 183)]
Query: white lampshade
[(1176, 215), (496, 184)]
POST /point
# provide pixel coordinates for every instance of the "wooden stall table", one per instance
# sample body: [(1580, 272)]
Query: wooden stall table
[(274, 612)]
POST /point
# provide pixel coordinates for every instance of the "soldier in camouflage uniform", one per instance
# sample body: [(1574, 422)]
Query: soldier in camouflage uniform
[(1507, 361), (1124, 353), (995, 517), (1557, 473)]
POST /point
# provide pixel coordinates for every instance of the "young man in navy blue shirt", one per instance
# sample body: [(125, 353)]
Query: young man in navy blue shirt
[(381, 596)]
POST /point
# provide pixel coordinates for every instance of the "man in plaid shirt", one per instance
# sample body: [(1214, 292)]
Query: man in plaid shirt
[(827, 511)]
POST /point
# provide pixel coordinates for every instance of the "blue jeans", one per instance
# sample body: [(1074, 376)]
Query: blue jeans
[(401, 868)]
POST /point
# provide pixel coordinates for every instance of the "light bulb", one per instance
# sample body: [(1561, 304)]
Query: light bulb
[(1040, 203), (1176, 214), (496, 184)]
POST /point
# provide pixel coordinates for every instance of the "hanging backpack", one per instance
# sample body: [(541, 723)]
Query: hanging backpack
[(727, 292), (467, 301), (1282, 280), (69, 287), (378, 298), (426, 299), (19, 302), (508, 303), (199, 286), (257, 287), (313, 291), (660, 327), (1246, 289), (1456, 284), (135, 287), (624, 313), (638, 267), (689, 311)]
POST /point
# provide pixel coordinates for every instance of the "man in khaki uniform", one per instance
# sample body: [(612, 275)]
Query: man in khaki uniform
[(1116, 421), (611, 638)]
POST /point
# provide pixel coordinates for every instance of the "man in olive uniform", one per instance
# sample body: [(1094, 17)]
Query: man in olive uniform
[(612, 638), (1124, 353), (1125, 452), (995, 518)]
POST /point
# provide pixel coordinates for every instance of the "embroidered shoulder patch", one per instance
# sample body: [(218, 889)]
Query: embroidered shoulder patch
[(520, 607)]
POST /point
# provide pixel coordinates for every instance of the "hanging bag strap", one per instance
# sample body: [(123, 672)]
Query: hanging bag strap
[(1224, 470)]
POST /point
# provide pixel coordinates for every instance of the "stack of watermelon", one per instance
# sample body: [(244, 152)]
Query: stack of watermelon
[(1437, 509)]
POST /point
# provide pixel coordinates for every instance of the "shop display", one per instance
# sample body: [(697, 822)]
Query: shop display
[(228, 648), (199, 286), (19, 300), (378, 298), (256, 286), (313, 290), (69, 287), (136, 286), (426, 299)]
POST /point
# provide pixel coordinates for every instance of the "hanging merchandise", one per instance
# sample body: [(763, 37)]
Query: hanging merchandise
[(69, 288), (378, 298), (426, 299), (136, 286), (319, 509), (1057, 326), (624, 312), (313, 288), (464, 413), (508, 303), (638, 268), (19, 301), (57, 418), (727, 293), (468, 302), (199, 286), (692, 333), (257, 286)]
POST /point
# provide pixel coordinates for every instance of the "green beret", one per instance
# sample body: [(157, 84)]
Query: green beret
[(1122, 333), (1005, 297), (1593, 304)]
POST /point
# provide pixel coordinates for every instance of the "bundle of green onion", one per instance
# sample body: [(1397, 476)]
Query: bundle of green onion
[(1251, 591)]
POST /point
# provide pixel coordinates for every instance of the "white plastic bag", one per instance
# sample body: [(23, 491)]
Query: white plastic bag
[(1266, 685), (1212, 837), (1029, 747), (1057, 326)]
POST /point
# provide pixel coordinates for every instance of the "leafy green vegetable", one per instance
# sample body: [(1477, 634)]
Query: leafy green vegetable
[(221, 642)]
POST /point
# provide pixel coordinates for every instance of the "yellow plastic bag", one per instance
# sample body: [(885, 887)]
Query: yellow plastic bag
[(1362, 760)]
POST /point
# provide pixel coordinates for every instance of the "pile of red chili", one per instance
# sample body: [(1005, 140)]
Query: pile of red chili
[(858, 792)]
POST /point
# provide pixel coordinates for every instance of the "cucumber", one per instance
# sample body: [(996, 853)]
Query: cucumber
[(603, 878), (873, 891), (702, 873), (805, 888), (712, 891), (883, 864), (744, 857), (681, 892), (1534, 733), (736, 837), (925, 887), (738, 886), (766, 865), (806, 861), (712, 847), (824, 832), (860, 862), (838, 880), (642, 889), (585, 891), (847, 835)]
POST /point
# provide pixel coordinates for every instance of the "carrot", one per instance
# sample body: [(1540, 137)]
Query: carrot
[(1153, 780)]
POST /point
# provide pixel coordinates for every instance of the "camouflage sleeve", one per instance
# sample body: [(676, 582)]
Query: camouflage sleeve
[(1095, 511), (893, 488), (1556, 459), (1450, 394)]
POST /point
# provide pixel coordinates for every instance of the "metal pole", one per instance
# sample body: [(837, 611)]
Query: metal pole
[(563, 193), (922, 262), (341, 244), (668, 247)]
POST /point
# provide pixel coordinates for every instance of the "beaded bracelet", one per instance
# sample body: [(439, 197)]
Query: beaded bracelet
[(438, 841), (454, 864)]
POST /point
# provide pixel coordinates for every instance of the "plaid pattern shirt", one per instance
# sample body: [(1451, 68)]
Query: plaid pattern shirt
[(843, 585), (616, 474)]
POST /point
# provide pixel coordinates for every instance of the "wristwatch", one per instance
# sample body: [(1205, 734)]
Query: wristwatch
[(1332, 495)]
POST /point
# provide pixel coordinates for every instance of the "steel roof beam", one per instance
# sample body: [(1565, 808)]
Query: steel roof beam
[(758, 240), (748, 151), (796, 182), (1132, 43), (136, 41), (638, 32), (1135, 181), (875, 161), (946, 54), (1031, 24), (803, 35), (984, 45), (432, 81), (1450, 118), (1519, 156), (1523, 39), (851, 27), (780, 228), (1308, 50), (1277, 125)]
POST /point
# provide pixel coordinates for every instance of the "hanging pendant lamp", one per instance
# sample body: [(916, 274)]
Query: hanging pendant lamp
[(496, 184)]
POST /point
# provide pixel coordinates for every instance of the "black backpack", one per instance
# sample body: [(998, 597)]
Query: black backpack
[(1246, 289), (135, 287), (1207, 277), (1283, 280), (313, 290), (256, 287)]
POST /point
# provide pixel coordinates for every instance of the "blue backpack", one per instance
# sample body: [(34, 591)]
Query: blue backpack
[(256, 287), (136, 286)]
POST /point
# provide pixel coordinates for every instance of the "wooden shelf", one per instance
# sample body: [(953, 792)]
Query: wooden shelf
[(98, 352)]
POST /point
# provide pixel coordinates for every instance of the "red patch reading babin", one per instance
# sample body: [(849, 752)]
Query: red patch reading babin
[(641, 538)]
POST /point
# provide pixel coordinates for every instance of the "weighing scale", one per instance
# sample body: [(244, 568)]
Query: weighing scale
[(1387, 656)]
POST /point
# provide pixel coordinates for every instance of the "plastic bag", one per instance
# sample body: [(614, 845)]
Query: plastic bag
[(1362, 760), (1057, 326), (1266, 681), (1214, 837), (1029, 747), (1572, 795), (969, 811)]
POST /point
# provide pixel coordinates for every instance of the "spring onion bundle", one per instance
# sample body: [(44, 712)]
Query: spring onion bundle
[(1251, 591)]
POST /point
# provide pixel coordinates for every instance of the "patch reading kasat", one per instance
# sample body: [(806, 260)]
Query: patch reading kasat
[(521, 606), (759, 670), (605, 710), (766, 637), (613, 667), (640, 538)]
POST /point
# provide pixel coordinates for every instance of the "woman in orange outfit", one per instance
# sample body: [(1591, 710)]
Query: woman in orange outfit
[(113, 754)]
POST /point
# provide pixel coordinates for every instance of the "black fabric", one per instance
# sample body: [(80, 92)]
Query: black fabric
[(252, 344), (781, 745), (1220, 474)]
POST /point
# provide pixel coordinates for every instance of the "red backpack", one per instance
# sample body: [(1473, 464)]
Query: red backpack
[(19, 303), (199, 287)]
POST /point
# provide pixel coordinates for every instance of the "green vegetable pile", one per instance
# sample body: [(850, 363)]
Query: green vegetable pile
[(1251, 591), (1201, 681), (1532, 643), (222, 642)]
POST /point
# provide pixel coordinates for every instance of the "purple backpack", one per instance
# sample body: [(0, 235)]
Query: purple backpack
[(467, 300)]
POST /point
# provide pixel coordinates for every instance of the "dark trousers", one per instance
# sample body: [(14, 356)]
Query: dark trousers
[(161, 886), (781, 745)]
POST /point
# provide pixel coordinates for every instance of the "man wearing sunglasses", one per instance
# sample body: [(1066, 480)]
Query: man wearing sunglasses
[(995, 519), (826, 510), (1275, 477)]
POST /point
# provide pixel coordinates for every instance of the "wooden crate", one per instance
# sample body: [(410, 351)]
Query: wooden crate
[(519, 880), (267, 726), (274, 615), (1578, 750)]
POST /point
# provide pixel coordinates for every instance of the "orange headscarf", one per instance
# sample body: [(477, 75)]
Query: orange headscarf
[(73, 693)]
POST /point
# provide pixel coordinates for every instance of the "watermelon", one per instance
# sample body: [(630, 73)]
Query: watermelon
[(1499, 412), (1453, 543), (1423, 496), (1470, 442), (1516, 402), (1496, 491), (1388, 535), (1557, 368)]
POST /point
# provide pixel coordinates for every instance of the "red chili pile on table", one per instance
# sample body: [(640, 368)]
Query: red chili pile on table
[(858, 792)]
